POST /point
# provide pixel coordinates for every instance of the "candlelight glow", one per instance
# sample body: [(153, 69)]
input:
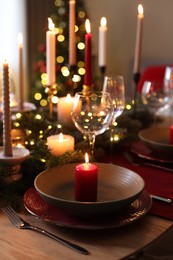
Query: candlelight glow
[(88, 26), (103, 21), (140, 9), (20, 39), (51, 25), (68, 98), (86, 158), (61, 138)]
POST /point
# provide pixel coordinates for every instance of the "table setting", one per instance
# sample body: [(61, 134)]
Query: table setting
[(95, 167)]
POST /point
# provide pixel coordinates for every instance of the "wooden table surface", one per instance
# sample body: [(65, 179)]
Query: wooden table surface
[(108, 244)]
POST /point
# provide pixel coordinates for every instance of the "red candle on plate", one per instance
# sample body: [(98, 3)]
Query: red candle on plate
[(171, 134), (86, 177), (88, 36)]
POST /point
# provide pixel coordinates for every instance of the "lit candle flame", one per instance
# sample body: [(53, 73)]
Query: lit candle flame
[(61, 138), (51, 25), (20, 39), (140, 10), (68, 98), (86, 158), (103, 22), (88, 26)]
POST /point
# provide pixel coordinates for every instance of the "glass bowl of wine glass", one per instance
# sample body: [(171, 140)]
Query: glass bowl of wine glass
[(92, 113)]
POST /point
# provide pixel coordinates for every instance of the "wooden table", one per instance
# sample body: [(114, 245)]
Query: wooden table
[(108, 244)]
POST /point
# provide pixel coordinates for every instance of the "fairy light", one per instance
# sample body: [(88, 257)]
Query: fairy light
[(43, 103), (56, 30), (80, 64), (32, 142), (38, 96), (116, 137), (81, 14), (43, 160), (59, 126), (38, 116), (76, 78), (81, 71), (29, 132), (54, 99), (60, 30), (49, 127), (16, 124), (61, 38), (128, 107), (76, 28), (60, 59), (44, 78), (18, 115), (65, 71), (81, 46)]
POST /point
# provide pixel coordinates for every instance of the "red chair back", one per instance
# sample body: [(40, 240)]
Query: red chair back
[(152, 73)]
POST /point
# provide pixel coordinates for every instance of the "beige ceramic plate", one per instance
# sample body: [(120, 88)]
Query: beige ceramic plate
[(117, 188), (157, 139)]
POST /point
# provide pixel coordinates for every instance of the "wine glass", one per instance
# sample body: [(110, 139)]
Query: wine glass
[(168, 84), (114, 85), (92, 113), (154, 96)]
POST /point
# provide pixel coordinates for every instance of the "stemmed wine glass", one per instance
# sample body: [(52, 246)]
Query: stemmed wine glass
[(154, 96), (114, 85), (168, 84), (92, 113)]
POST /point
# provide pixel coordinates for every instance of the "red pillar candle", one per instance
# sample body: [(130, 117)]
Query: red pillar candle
[(88, 37), (86, 177), (171, 134)]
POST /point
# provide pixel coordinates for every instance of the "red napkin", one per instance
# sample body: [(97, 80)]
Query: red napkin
[(157, 182)]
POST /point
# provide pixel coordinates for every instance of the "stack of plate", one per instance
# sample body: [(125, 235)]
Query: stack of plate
[(121, 200), (153, 145), (157, 139)]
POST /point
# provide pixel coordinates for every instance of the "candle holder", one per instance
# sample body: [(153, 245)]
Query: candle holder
[(27, 107), (102, 70), (136, 78), (12, 163), (87, 88), (52, 91)]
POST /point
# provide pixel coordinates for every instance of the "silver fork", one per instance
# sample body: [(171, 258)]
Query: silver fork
[(22, 224)]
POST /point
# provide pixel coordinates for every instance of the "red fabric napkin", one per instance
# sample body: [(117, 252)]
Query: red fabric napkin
[(157, 182)]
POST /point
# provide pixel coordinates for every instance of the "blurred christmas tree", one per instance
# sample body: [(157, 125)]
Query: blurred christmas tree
[(63, 73)]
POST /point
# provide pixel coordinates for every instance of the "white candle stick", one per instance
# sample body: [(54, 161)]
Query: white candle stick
[(50, 54), (20, 43), (72, 41), (64, 107), (102, 42), (138, 46), (7, 142)]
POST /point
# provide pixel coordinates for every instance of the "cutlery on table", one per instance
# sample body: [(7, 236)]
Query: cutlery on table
[(133, 159), (21, 224), (160, 198)]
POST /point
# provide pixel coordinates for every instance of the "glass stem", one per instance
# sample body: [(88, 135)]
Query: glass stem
[(92, 143)]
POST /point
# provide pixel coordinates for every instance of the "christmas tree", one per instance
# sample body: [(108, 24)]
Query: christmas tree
[(64, 72)]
